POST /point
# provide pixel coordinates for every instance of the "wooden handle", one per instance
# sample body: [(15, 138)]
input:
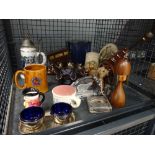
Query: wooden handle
[(16, 79)]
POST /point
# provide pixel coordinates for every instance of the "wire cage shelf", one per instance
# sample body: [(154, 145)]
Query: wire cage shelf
[(53, 34), (5, 78), (140, 129)]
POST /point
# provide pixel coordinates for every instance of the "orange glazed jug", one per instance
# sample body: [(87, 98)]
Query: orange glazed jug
[(34, 76)]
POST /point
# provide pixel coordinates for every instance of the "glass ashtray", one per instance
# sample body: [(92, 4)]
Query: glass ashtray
[(99, 104), (86, 87)]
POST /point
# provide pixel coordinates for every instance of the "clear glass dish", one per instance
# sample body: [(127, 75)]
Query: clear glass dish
[(99, 104)]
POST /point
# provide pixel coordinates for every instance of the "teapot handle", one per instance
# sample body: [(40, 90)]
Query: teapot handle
[(44, 57)]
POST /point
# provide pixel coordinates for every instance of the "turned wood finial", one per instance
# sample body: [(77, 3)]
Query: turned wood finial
[(122, 69)]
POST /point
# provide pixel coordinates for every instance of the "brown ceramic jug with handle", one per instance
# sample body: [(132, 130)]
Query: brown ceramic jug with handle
[(34, 76)]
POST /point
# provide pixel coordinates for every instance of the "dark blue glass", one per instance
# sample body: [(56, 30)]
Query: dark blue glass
[(31, 114), (61, 110), (78, 51)]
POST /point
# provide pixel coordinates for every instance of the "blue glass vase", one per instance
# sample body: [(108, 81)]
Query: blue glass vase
[(78, 50)]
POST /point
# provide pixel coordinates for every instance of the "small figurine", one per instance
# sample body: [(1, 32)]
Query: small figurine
[(60, 65), (51, 70), (70, 65), (66, 72), (102, 72), (81, 71), (91, 62)]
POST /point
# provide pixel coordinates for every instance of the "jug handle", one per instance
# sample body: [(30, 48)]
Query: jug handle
[(44, 57), (16, 79), (43, 97)]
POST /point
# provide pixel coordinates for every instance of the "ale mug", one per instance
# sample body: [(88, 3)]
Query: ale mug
[(29, 53), (34, 76)]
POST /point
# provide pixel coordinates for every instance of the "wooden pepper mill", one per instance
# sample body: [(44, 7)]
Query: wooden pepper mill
[(122, 69)]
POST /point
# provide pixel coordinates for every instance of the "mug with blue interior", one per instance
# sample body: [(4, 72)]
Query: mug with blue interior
[(78, 50), (61, 111), (32, 116)]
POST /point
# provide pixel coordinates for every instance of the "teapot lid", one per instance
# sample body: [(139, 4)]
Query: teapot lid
[(28, 43)]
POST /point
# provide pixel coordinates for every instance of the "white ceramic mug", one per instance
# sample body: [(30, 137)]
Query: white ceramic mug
[(67, 94)]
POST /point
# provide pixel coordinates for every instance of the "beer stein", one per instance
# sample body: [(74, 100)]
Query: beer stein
[(29, 53)]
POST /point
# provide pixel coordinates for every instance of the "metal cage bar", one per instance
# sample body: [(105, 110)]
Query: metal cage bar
[(54, 33), (5, 78)]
